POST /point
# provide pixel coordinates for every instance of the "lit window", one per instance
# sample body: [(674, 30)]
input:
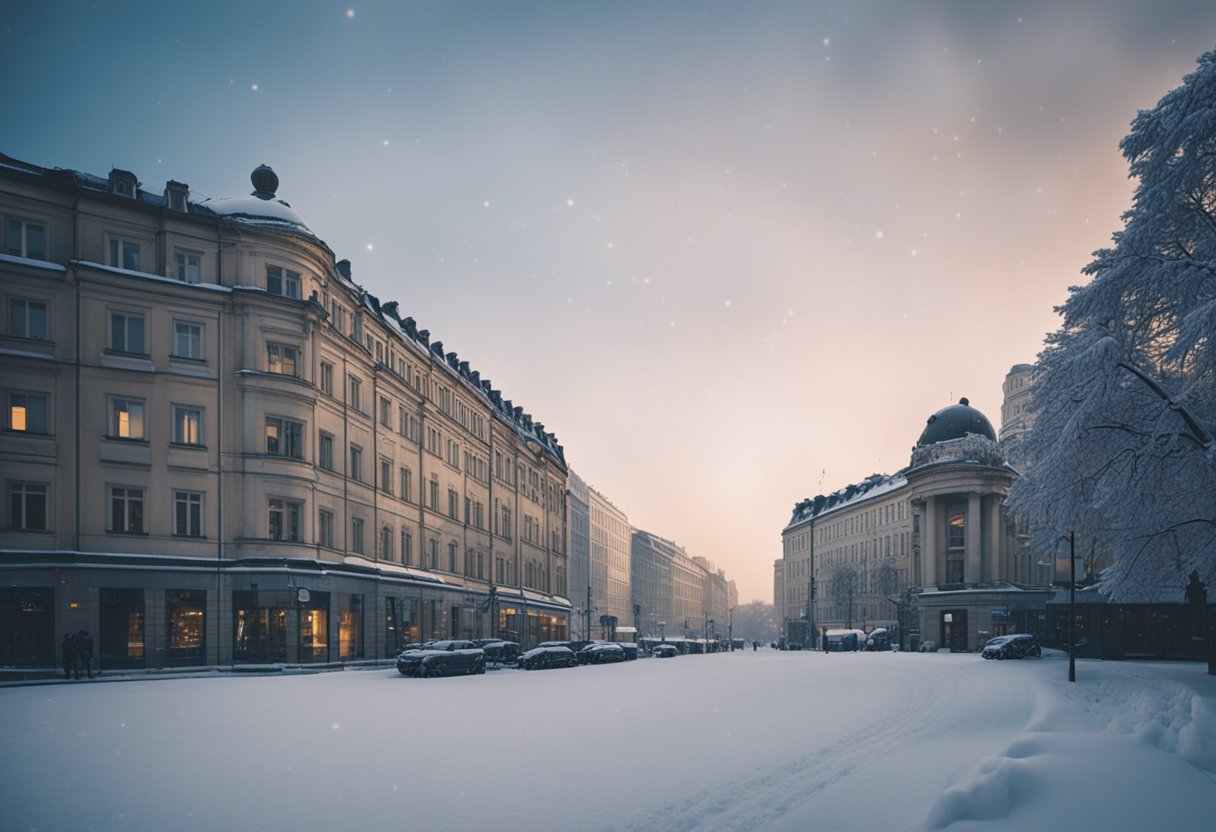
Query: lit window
[(188, 340), (27, 506), (27, 413), (127, 418), (188, 513), (127, 333), (26, 239), (188, 266), (187, 425), (281, 359), (127, 510), (124, 254), (284, 437), (27, 319)]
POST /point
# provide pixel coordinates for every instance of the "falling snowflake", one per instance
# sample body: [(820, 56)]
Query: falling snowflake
[(253, 87), (350, 13)]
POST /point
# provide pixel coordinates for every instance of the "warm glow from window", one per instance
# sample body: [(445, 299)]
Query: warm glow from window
[(16, 418)]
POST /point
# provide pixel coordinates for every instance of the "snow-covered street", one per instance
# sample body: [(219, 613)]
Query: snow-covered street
[(755, 741)]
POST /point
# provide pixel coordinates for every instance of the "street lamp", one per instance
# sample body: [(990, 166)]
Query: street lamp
[(1072, 606), (662, 624)]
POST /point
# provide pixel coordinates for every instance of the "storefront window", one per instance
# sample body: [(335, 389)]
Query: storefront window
[(350, 626), (259, 632), (314, 628), (122, 628), (185, 618), (27, 626)]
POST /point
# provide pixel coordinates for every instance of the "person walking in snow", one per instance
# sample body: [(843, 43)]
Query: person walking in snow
[(84, 652), (69, 657)]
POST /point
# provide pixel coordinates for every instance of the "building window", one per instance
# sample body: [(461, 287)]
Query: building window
[(386, 542), (27, 506), (353, 399), (327, 378), (124, 254), (188, 340), (27, 413), (356, 535), (283, 519), (407, 548), (282, 282), (956, 532), (187, 513), (28, 319), (325, 451), (188, 266), (26, 239), (433, 502), (325, 528), (434, 554), (127, 333), (127, 510), (386, 476), (284, 437), (452, 547), (386, 412), (356, 463), (176, 195), (338, 317), (126, 418), (282, 359), (187, 425), (453, 505), (407, 485), (454, 454)]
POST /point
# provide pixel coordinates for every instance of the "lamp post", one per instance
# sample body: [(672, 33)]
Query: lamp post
[(662, 637), (1072, 606)]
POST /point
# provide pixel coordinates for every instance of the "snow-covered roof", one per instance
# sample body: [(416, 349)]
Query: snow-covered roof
[(873, 486)]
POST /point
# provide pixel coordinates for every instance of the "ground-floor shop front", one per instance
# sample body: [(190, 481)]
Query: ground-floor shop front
[(160, 613), (963, 620)]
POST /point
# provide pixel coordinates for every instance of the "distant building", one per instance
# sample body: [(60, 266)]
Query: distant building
[(675, 594), (1017, 417), (218, 448)]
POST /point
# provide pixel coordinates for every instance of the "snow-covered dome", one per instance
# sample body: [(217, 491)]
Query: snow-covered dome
[(955, 422), (261, 206)]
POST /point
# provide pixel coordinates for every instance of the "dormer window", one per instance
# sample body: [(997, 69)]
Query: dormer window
[(177, 196), (123, 183)]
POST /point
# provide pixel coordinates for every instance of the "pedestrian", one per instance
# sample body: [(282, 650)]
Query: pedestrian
[(69, 656), (84, 649)]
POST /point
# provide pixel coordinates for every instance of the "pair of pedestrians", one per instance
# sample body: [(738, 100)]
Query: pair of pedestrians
[(77, 651)]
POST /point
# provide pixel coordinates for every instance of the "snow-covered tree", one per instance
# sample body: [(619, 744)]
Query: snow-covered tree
[(1122, 450)]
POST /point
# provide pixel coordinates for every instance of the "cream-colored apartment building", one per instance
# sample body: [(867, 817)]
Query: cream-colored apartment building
[(218, 448)]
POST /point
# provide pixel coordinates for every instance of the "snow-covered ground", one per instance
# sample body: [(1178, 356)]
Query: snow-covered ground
[(737, 741)]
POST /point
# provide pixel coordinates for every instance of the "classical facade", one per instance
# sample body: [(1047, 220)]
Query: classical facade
[(928, 550), (599, 565), (218, 448), (676, 595), (1016, 414)]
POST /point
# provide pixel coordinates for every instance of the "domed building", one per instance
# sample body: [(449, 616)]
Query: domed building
[(220, 449), (927, 551), (974, 583)]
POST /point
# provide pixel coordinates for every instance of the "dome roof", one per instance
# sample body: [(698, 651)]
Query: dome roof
[(261, 206), (955, 422)]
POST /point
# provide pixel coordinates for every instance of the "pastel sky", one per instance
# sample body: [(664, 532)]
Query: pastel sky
[(732, 254)]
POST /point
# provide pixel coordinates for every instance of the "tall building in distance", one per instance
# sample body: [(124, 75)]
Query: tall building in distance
[(1017, 417), (677, 595), (219, 448), (600, 589)]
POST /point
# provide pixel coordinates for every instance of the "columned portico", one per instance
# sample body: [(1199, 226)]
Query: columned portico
[(928, 552), (972, 573)]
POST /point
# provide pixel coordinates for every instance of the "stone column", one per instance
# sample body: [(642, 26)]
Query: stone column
[(995, 573), (972, 567), (928, 543)]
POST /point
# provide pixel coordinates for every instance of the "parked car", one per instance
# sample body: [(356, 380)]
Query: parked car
[(409, 661), (631, 650), (664, 651), (603, 652), (539, 658), (501, 652), (453, 663), (1016, 646), (878, 639)]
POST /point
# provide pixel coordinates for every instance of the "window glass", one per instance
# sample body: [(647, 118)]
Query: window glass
[(188, 340), (127, 333), (187, 425), (127, 418), (127, 510), (27, 412), (27, 506), (188, 266), (27, 319)]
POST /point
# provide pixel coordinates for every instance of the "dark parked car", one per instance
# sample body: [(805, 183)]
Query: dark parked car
[(409, 661), (664, 651), (539, 658), (631, 649), (1016, 646), (501, 652), (603, 652), (453, 663)]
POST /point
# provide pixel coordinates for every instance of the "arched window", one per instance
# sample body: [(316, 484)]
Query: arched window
[(956, 532)]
